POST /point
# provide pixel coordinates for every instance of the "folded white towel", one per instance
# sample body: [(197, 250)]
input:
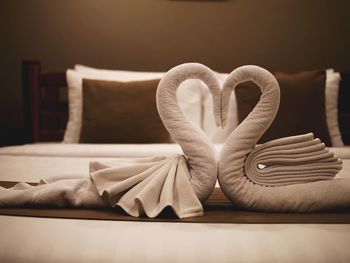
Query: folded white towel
[(148, 186), (291, 160), (141, 186)]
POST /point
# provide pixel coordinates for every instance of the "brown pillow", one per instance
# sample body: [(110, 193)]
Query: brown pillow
[(121, 112), (302, 106)]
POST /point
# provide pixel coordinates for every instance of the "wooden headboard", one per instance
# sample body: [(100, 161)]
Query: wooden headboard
[(45, 104)]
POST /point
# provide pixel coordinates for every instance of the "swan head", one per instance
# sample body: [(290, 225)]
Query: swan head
[(183, 72), (260, 76)]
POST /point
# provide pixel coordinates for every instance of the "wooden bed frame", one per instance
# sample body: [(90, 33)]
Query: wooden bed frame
[(45, 104), (45, 110)]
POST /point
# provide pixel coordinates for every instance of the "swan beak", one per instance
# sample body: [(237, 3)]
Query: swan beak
[(218, 119), (225, 100)]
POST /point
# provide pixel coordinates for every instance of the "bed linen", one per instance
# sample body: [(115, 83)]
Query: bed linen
[(70, 240)]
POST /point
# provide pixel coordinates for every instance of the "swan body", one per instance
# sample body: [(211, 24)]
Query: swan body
[(291, 160)]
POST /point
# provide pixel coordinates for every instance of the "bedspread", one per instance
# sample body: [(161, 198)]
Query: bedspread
[(27, 239)]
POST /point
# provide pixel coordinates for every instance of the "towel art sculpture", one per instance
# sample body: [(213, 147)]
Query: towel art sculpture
[(289, 157), (143, 186), (293, 174)]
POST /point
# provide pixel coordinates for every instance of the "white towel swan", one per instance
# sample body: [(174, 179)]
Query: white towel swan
[(233, 162), (143, 186), (200, 151)]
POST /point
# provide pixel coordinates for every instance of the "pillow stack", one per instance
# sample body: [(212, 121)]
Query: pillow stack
[(98, 114), (116, 106)]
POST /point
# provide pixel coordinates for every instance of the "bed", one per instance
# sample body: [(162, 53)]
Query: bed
[(38, 239)]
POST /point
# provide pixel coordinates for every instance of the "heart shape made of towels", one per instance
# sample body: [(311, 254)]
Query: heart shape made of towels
[(309, 158), (289, 163)]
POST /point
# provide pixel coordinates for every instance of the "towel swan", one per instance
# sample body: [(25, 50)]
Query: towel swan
[(201, 154), (233, 180), (143, 186)]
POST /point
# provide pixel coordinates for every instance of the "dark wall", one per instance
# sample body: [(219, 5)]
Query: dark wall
[(158, 34)]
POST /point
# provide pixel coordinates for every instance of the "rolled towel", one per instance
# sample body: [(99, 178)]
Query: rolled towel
[(291, 160)]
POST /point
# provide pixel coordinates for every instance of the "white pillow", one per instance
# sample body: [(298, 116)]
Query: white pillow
[(332, 91), (119, 75), (189, 94)]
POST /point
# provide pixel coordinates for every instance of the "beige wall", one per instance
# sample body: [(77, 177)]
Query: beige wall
[(158, 34)]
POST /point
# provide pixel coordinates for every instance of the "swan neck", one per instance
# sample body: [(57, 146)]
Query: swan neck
[(196, 145), (259, 120)]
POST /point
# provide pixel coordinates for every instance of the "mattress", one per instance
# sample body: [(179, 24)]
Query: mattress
[(28, 239)]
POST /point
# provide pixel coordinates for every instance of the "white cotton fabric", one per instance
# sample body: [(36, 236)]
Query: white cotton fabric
[(147, 186), (122, 75), (33, 240), (93, 150), (114, 150)]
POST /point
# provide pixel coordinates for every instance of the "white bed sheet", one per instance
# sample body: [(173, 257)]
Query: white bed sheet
[(25, 239)]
